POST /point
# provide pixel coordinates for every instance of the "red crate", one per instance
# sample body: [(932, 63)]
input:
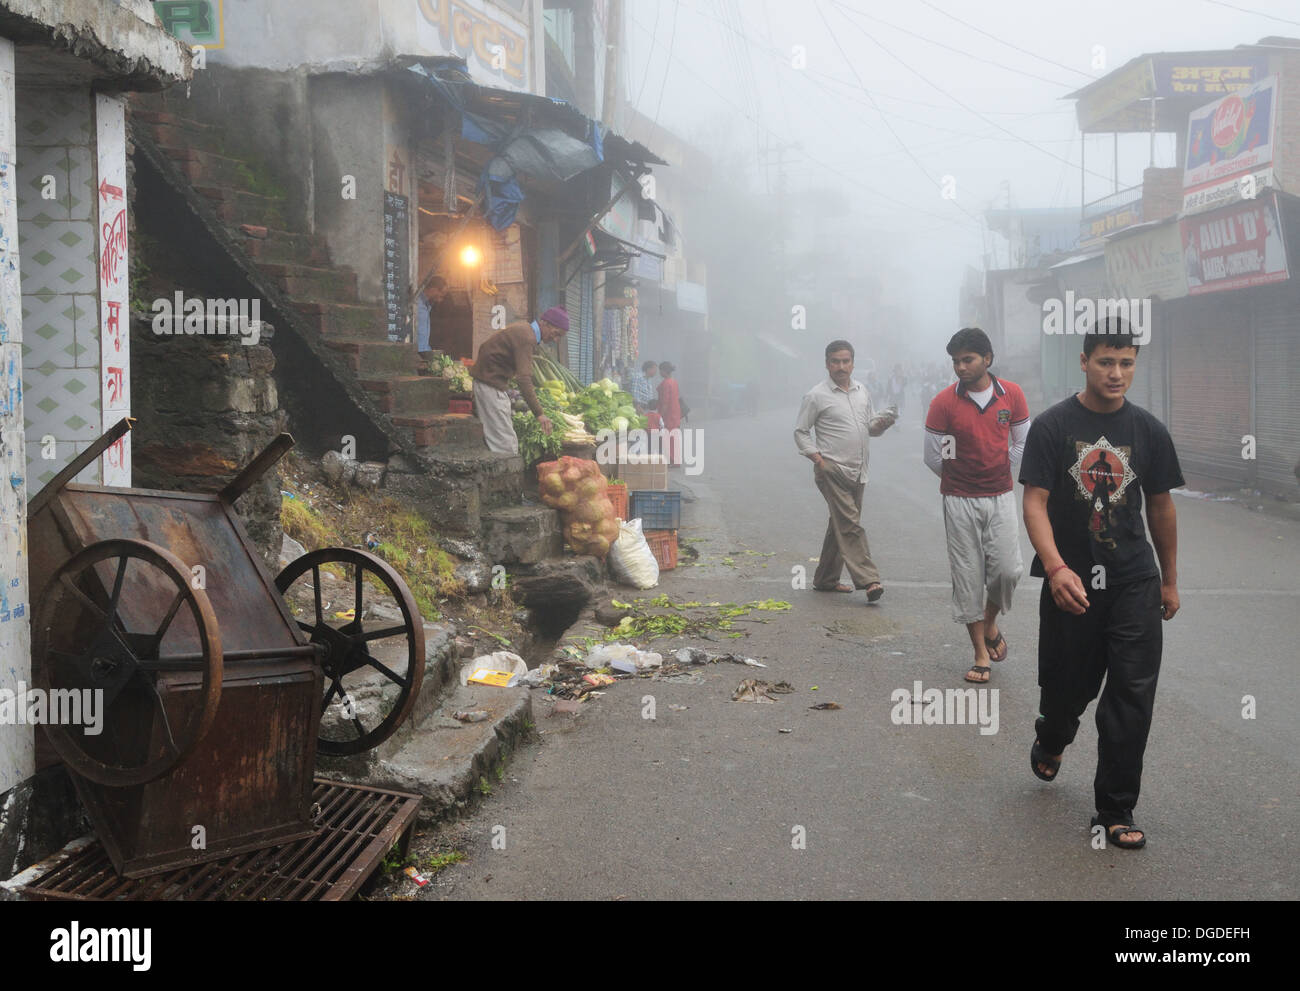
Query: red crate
[(663, 545), (618, 496), (460, 406)]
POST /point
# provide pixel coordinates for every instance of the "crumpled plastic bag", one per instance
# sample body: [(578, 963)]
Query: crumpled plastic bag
[(622, 657), (501, 660)]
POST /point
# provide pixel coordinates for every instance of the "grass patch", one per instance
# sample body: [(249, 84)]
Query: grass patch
[(306, 525), (433, 863)]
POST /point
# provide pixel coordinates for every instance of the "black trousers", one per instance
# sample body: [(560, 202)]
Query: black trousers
[(1118, 638)]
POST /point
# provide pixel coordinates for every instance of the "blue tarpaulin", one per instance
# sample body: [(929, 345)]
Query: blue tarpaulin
[(544, 152)]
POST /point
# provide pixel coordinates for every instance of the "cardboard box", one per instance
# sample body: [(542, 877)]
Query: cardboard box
[(653, 475)]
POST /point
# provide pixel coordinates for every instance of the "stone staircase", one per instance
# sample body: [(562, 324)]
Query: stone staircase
[(475, 492)]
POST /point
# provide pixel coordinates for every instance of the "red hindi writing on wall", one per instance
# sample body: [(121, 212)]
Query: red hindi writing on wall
[(115, 380), (113, 252), (113, 324), (115, 453)]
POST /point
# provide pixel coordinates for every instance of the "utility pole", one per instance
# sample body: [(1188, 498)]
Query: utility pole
[(613, 41)]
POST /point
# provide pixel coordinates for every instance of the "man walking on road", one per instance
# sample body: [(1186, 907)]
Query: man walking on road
[(1088, 460), (509, 354), (839, 411), (967, 431)]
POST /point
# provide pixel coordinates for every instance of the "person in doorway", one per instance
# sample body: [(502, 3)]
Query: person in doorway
[(974, 433), (505, 355), (838, 412), (669, 407), (435, 291), (1088, 460)]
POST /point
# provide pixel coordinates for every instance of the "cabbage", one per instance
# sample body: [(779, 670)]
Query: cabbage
[(590, 488), (552, 484), (619, 423)]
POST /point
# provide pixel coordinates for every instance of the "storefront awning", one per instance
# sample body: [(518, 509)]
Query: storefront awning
[(529, 135)]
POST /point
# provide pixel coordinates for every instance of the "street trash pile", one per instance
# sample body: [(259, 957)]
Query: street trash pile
[(576, 676), (576, 487)]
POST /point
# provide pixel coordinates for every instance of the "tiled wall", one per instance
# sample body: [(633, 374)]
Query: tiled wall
[(16, 742), (60, 283)]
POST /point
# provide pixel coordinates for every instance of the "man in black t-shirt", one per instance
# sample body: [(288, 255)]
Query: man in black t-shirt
[(1087, 462)]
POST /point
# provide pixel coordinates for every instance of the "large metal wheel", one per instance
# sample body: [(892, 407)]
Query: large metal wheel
[(87, 637), (372, 677)]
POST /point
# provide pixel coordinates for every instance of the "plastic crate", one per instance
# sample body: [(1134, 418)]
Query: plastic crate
[(656, 510), (618, 496), (663, 545)]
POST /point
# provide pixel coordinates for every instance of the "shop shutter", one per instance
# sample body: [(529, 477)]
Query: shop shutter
[(1277, 393), (1211, 386)]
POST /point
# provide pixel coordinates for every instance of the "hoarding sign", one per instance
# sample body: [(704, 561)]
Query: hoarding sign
[(1227, 140), (1148, 264), (1207, 75), (1099, 225), (1237, 247)]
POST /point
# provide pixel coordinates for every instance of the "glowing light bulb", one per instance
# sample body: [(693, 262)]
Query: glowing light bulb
[(470, 256)]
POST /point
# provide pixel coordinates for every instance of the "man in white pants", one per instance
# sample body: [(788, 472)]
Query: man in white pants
[(973, 432), (505, 355)]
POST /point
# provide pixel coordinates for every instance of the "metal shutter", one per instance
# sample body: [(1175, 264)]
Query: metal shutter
[(1211, 386), (1277, 395)]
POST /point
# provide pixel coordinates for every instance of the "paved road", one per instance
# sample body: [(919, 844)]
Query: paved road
[(705, 802)]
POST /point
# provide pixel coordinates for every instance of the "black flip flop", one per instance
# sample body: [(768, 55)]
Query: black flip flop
[(992, 645), (874, 591), (1119, 829), (1037, 755), (979, 681)]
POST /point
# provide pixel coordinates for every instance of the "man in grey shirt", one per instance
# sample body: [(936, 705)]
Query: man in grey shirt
[(839, 411)]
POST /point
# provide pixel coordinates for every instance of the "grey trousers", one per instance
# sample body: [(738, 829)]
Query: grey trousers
[(493, 409), (846, 541), (983, 552)]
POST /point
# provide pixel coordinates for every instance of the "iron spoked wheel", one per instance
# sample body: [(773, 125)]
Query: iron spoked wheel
[(87, 638), (372, 676)]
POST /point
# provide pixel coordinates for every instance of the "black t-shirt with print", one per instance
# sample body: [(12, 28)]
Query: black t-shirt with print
[(1096, 467)]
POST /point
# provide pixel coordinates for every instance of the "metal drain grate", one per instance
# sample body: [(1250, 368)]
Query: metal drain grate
[(359, 826)]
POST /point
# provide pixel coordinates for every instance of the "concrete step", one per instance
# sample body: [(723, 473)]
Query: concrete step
[(345, 321), (521, 534), (432, 753), (409, 394), (234, 206), (373, 359), (206, 168), (305, 283), (269, 246), (434, 429), (447, 761)]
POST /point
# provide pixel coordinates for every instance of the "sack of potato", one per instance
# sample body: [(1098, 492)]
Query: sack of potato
[(576, 487)]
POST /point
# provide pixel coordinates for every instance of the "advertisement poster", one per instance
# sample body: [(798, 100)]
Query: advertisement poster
[(1227, 140), (1234, 248)]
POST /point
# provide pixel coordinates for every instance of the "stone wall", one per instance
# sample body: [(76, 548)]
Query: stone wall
[(206, 407)]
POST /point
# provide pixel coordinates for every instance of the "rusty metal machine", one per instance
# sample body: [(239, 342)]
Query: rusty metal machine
[(219, 682)]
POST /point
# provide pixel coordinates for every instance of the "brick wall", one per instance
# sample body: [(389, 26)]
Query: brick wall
[(1162, 193)]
